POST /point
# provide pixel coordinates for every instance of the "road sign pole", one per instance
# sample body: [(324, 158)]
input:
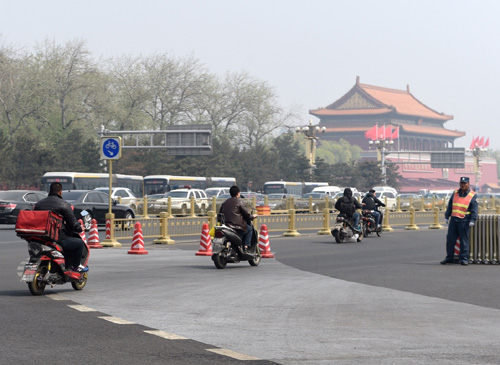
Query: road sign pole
[(110, 186)]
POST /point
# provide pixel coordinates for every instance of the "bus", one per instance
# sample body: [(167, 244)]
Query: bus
[(90, 181), (288, 187), (159, 184)]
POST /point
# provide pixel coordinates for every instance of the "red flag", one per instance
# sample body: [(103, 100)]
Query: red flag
[(472, 143), (487, 143), (481, 142), (371, 133), (395, 133), (388, 132)]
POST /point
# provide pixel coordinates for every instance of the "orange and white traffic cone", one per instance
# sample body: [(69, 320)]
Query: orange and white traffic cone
[(138, 241), (82, 233), (264, 245), (108, 229), (457, 247), (94, 236), (205, 242)]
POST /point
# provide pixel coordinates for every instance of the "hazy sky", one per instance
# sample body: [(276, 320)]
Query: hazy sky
[(309, 51)]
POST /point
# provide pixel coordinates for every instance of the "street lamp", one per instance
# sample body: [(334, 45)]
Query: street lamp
[(311, 133), (477, 152), (381, 145)]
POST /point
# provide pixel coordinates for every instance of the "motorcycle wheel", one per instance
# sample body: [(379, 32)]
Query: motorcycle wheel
[(258, 257), (220, 260), (37, 287), (79, 285), (338, 236), (379, 232), (365, 230)]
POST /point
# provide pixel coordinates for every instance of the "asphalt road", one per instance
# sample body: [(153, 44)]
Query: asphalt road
[(382, 301)]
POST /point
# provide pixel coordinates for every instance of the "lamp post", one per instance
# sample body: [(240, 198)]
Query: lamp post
[(381, 145), (311, 133), (477, 152)]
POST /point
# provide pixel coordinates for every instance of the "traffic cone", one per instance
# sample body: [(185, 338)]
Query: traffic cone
[(264, 246), (138, 241), (457, 247), (82, 234), (94, 236), (205, 242), (108, 229)]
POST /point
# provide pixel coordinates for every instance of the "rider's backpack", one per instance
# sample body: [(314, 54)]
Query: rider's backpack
[(39, 223), (346, 206)]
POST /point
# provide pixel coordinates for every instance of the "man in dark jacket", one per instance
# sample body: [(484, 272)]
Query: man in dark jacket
[(236, 215), (372, 203), (70, 241), (347, 205), (462, 213)]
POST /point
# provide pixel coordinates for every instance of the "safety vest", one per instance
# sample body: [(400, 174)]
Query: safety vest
[(460, 204)]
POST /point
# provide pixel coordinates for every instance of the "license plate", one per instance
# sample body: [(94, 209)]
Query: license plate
[(29, 272)]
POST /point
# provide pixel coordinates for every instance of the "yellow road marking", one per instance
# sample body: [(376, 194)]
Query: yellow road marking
[(163, 334)]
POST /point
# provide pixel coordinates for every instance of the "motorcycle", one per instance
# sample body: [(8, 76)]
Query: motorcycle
[(46, 264), (227, 246), (369, 224), (344, 230)]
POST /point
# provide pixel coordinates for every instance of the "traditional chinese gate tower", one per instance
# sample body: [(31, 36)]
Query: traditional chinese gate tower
[(413, 126), (364, 106)]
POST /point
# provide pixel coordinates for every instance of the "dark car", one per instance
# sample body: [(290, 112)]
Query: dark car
[(96, 203), (13, 201)]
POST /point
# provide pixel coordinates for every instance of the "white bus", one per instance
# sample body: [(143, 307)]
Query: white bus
[(159, 184), (290, 187), (90, 181)]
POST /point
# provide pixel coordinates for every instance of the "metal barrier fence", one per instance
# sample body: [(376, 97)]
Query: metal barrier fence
[(484, 240)]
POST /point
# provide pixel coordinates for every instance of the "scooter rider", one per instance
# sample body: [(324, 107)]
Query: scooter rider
[(70, 241), (347, 205), (372, 203), (236, 215)]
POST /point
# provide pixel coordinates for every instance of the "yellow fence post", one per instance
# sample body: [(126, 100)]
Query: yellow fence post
[(164, 237), (212, 219), (145, 206), (193, 214), (436, 224), (385, 226), (326, 222), (169, 206), (398, 204), (292, 232), (110, 242), (412, 224), (214, 204)]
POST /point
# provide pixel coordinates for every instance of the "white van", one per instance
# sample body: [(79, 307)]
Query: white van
[(327, 190)]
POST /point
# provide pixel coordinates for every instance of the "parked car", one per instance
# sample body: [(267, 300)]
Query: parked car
[(391, 203), (96, 203), (407, 200), (485, 200), (124, 196), (318, 203), (216, 192), (181, 202), (278, 201), (13, 201)]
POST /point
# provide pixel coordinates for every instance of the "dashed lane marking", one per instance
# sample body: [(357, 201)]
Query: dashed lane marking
[(163, 334), (81, 308), (116, 320), (232, 354), (57, 297)]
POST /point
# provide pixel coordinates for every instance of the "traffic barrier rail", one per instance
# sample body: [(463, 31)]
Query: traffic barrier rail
[(165, 226)]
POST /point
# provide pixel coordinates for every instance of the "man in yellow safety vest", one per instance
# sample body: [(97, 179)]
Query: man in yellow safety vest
[(461, 214)]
